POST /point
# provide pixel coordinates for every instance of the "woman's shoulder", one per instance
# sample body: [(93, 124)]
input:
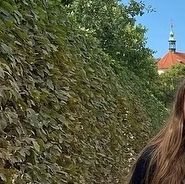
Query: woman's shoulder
[(146, 154), (145, 158), (142, 165)]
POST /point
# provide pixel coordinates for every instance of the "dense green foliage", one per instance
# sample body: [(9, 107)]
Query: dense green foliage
[(114, 25), (69, 112), (169, 82)]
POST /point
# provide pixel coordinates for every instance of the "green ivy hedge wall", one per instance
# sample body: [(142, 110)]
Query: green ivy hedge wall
[(68, 113)]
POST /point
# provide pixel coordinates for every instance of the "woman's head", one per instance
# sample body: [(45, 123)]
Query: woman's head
[(169, 153)]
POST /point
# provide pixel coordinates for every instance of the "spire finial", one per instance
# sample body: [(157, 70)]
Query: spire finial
[(172, 41), (171, 24)]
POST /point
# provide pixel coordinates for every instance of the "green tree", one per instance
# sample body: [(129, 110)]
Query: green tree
[(114, 25), (169, 81)]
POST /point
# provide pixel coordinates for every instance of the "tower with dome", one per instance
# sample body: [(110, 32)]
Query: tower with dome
[(172, 57)]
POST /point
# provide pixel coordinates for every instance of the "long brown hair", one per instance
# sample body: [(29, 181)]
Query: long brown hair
[(169, 153)]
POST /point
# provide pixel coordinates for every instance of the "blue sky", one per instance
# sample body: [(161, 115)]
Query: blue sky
[(158, 24)]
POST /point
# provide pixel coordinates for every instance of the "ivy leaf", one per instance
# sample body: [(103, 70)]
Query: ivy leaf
[(5, 49), (36, 145), (50, 84), (2, 73), (3, 177)]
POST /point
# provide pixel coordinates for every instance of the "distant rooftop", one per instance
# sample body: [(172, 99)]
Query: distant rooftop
[(170, 59)]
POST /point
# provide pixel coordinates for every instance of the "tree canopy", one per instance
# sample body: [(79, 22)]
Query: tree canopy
[(168, 83), (114, 25)]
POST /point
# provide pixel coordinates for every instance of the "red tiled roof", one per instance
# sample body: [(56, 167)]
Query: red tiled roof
[(170, 59)]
